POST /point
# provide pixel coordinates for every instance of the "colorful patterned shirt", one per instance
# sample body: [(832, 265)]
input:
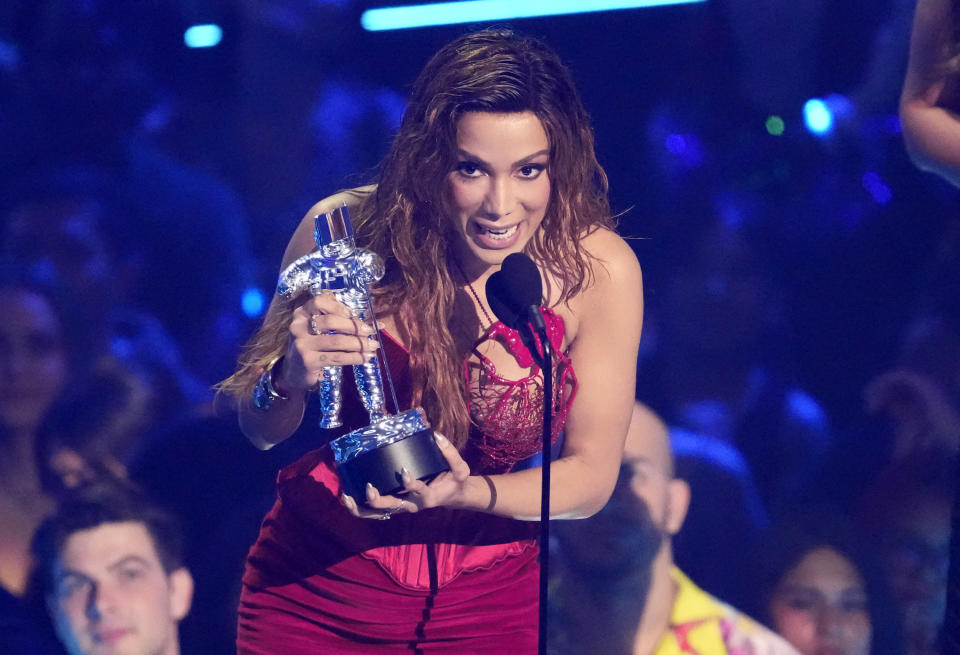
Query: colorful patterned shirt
[(702, 625)]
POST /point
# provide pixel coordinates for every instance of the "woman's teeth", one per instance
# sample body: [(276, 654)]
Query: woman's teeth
[(504, 233)]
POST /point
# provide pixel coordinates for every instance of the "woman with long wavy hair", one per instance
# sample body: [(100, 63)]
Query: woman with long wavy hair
[(930, 101), (494, 156)]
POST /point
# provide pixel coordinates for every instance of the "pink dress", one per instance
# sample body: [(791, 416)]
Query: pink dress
[(319, 580)]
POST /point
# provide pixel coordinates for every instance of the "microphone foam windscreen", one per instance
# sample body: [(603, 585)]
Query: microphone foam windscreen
[(497, 299), (522, 280), (513, 289)]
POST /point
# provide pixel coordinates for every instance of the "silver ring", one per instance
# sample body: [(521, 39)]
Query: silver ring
[(387, 513), (313, 324)]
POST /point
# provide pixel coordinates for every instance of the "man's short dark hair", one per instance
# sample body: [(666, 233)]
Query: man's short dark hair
[(96, 505)]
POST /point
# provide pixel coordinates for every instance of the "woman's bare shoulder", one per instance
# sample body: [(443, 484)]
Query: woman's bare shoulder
[(612, 258), (302, 240), (349, 197)]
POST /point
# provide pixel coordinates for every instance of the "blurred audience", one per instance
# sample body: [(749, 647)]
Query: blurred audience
[(112, 570), (922, 416), (64, 220), (812, 583), (96, 78), (726, 518), (616, 588), (718, 365), (906, 512), (43, 348), (93, 434)]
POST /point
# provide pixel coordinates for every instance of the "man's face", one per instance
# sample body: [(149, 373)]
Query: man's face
[(112, 596), (647, 507), (648, 462)]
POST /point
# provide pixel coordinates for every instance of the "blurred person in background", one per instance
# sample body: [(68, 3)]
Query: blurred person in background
[(93, 434), (112, 572), (106, 65), (906, 512), (812, 583), (44, 346), (720, 364), (616, 588), (68, 216), (725, 519)]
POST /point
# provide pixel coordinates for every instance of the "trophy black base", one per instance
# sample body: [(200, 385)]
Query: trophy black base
[(381, 466)]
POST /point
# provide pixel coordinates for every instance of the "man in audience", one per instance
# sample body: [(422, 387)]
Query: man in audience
[(113, 575), (616, 589)]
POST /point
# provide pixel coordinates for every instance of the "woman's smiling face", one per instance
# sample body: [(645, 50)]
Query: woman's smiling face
[(499, 190)]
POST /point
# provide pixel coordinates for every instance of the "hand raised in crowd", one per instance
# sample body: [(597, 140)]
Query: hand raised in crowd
[(920, 408)]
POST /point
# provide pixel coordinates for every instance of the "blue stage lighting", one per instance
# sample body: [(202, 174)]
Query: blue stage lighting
[(252, 302), (879, 190), (203, 36), (817, 116), (475, 11)]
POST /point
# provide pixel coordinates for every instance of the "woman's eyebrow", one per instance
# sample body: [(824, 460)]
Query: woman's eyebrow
[(527, 159), (520, 162)]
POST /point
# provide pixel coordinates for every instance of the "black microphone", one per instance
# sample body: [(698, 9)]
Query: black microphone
[(515, 292)]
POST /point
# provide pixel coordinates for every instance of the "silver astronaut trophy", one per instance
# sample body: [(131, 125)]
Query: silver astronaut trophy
[(391, 442)]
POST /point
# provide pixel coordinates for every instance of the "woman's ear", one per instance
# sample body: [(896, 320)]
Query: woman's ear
[(678, 502)]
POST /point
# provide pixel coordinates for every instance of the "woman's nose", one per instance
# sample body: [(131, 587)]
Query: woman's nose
[(830, 622), (499, 199)]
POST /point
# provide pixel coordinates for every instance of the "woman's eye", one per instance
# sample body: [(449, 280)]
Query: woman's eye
[(468, 169), (855, 604), (531, 171), (800, 602)]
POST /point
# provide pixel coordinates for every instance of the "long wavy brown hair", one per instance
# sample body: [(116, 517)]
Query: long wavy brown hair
[(404, 219)]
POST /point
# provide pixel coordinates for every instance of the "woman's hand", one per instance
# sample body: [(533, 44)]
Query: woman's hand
[(447, 489), (322, 333)]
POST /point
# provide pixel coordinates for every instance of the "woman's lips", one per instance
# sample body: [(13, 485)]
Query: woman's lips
[(496, 238)]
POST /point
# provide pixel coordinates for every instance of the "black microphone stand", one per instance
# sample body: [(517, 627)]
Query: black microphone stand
[(515, 299), (538, 327)]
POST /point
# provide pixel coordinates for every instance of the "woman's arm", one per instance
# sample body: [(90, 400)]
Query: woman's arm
[(931, 131), (306, 353), (604, 355)]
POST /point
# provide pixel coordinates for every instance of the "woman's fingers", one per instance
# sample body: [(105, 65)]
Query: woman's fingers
[(326, 302), (459, 469), (416, 494), (377, 506), (413, 489), (311, 322), (361, 512), (324, 333)]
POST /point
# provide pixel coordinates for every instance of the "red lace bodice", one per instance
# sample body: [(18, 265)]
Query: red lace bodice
[(508, 414)]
